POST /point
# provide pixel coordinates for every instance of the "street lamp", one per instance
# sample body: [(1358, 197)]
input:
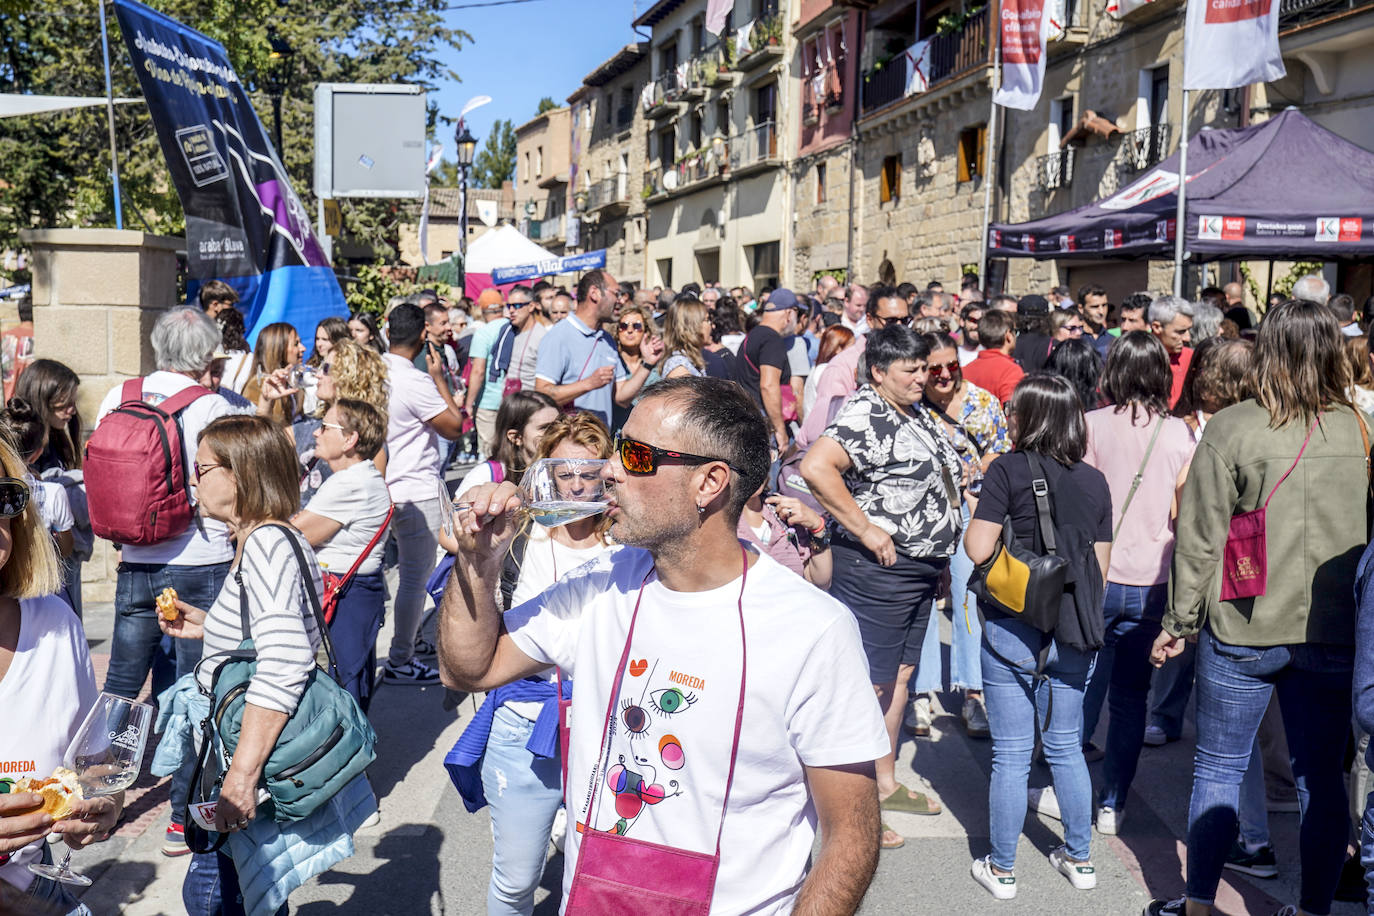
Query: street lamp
[(278, 76), (466, 145)]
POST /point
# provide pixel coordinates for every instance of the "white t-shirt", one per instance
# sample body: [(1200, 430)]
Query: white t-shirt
[(45, 697), (525, 355), (54, 508), (808, 702), (413, 459), (205, 541), (478, 474), (356, 498), (967, 356), (238, 372)]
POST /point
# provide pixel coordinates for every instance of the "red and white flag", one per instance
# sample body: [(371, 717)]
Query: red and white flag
[(1231, 43), (716, 13), (1025, 28)]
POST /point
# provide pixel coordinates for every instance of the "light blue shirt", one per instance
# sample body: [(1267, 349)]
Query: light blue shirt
[(483, 339), (570, 352)]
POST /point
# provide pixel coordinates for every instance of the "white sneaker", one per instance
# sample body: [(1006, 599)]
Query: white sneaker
[(559, 834), (1003, 887), (917, 718), (1081, 875), (1155, 736), (1044, 801), (1109, 820)]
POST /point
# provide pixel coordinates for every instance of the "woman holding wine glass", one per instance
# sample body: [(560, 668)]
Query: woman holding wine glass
[(47, 687)]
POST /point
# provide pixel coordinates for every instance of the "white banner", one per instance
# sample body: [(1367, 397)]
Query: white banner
[(1025, 28), (917, 60), (717, 11), (486, 212), (1231, 43)]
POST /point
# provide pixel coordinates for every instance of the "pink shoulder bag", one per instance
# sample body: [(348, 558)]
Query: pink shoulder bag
[(1245, 560), (616, 874)]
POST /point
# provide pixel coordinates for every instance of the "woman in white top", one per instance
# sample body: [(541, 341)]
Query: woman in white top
[(47, 686), (833, 339), (345, 516), (517, 760), (686, 332), (238, 368)]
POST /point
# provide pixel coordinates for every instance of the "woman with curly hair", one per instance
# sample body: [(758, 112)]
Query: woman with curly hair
[(353, 372), (238, 368)]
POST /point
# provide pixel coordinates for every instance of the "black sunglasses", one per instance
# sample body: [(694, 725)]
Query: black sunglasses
[(642, 459), (890, 320), (14, 497)]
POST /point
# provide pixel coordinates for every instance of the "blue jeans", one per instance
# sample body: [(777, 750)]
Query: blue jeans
[(1173, 684), (524, 793), (211, 887), (1253, 811), (1122, 677), (1234, 684), (137, 641), (965, 671), (53, 896), (1015, 702), (357, 621)]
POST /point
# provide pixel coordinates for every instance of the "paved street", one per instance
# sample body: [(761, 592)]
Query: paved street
[(429, 856)]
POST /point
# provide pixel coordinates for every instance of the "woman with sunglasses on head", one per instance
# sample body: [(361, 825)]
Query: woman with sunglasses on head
[(47, 686), (632, 331), (1031, 678), (505, 759), (888, 475), (973, 420), (246, 476)]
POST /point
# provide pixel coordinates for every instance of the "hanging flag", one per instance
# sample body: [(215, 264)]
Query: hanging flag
[(917, 61), (1025, 29), (486, 211), (717, 11), (1231, 43), (244, 223)]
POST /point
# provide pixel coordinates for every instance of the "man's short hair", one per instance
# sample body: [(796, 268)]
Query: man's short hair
[(592, 279), (1313, 288), (540, 286), (877, 293), (967, 311), (1136, 302), (1089, 289), (434, 311), (217, 291), (907, 290), (968, 281), (1166, 308), (666, 298), (405, 325), (523, 290), (994, 328), (722, 421), (627, 289), (924, 301), (367, 421), (185, 340), (935, 286), (1002, 299), (1213, 295), (1344, 307)]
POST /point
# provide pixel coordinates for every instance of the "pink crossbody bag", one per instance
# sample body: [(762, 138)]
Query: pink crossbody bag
[(628, 877)]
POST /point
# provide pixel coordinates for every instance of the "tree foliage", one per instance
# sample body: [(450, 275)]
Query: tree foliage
[(495, 162), (546, 104), (54, 167)]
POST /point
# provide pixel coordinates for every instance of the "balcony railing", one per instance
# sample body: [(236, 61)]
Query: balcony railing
[(667, 89), (551, 228), (1146, 146), (757, 144), (950, 55), (1055, 170), (1295, 12), (606, 192)]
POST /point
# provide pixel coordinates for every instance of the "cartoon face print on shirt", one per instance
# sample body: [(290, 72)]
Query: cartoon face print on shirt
[(648, 763)]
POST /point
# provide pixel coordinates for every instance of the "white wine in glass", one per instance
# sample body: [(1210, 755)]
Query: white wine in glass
[(106, 755), (553, 492)]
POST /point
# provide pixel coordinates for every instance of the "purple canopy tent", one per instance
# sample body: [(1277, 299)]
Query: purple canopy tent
[(1286, 188)]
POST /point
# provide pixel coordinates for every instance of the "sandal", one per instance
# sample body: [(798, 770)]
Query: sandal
[(908, 801), (891, 839)]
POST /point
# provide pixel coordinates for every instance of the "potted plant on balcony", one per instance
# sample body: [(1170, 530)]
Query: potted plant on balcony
[(770, 30)]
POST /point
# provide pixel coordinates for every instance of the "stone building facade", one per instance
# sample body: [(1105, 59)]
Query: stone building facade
[(542, 161)]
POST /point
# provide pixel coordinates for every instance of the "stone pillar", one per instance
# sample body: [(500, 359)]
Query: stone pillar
[(96, 296)]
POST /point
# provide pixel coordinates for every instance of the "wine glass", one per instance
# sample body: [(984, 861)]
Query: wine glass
[(553, 492), (106, 755)]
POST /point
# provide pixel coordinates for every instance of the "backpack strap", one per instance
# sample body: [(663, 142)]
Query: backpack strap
[(307, 584), (1043, 515), (131, 391), (183, 399)]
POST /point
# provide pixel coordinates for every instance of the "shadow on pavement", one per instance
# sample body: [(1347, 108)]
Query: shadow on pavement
[(405, 880), (407, 720), (553, 883)]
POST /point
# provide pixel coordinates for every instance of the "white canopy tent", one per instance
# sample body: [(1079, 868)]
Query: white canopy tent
[(503, 246)]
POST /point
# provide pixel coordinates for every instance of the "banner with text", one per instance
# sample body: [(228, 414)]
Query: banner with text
[(1024, 31), (1231, 43), (244, 223), (565, 265)]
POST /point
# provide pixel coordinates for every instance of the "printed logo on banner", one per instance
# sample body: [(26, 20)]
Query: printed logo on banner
[(1068, 243), (1339, 229), (1021, 31), (1232, 228), (1221, 228), (1165, 229), (1111, 238), (1209, 227), (203, 160), (1236, 10)]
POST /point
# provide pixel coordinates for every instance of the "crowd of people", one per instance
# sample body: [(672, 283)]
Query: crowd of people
[(801, 484)]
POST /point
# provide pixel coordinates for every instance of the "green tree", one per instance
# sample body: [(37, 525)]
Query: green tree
[(546, 104), (54, 167)]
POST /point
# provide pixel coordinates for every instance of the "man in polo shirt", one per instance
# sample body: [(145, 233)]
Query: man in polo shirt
[(485, 392), (578, 362), (993, 369), (1171, 320)]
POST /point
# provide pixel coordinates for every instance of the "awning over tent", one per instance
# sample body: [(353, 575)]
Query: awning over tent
[(1286, 188), (503, 246)]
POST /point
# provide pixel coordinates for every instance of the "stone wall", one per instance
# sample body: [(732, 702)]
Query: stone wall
[(96, 295), (820, 239)]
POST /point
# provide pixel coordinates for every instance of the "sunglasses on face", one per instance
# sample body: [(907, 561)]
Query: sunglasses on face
[(894, 319), (944, 369), (627, 326), (14, 497), (325, 425), (642, 459), (516, 306), (1074, 328)]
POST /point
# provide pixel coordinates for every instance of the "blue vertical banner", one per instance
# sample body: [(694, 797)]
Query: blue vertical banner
[(244, 223)]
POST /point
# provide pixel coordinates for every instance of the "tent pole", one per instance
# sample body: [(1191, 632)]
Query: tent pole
[(1262, 307), (990, 178), (109, 111), (1180, 224)]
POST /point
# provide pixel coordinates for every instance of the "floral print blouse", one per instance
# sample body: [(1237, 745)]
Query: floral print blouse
[(981, 420)]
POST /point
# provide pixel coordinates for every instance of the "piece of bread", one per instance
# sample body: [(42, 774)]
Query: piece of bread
[(60, 792), (167, 605)]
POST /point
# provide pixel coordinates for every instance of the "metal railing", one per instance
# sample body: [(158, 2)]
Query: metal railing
[(1055, 170), (1296, 12), (756, 144), (1146, 146), (950, 55), (667, 88), (551, 228), (607, 191)]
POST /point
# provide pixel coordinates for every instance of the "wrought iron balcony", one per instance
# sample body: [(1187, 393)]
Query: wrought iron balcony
[(1293, 13), (950, 55), (755, 145), (1055, 170), (1146, 147)]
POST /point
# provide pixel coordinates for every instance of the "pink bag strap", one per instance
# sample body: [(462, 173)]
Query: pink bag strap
[(1310, 429), (739, 708)]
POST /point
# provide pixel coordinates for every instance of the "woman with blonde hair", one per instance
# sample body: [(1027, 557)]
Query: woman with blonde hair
[(686, 332), (355, 372), (500, 760), (278, 347), (48, 684)]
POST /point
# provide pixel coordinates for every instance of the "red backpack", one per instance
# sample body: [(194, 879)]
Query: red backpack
[(137, 486)]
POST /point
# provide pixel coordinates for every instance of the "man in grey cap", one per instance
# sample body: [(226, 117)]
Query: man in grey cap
[(762, 368)]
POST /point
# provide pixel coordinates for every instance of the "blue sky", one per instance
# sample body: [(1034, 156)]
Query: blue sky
[(522, 52)]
